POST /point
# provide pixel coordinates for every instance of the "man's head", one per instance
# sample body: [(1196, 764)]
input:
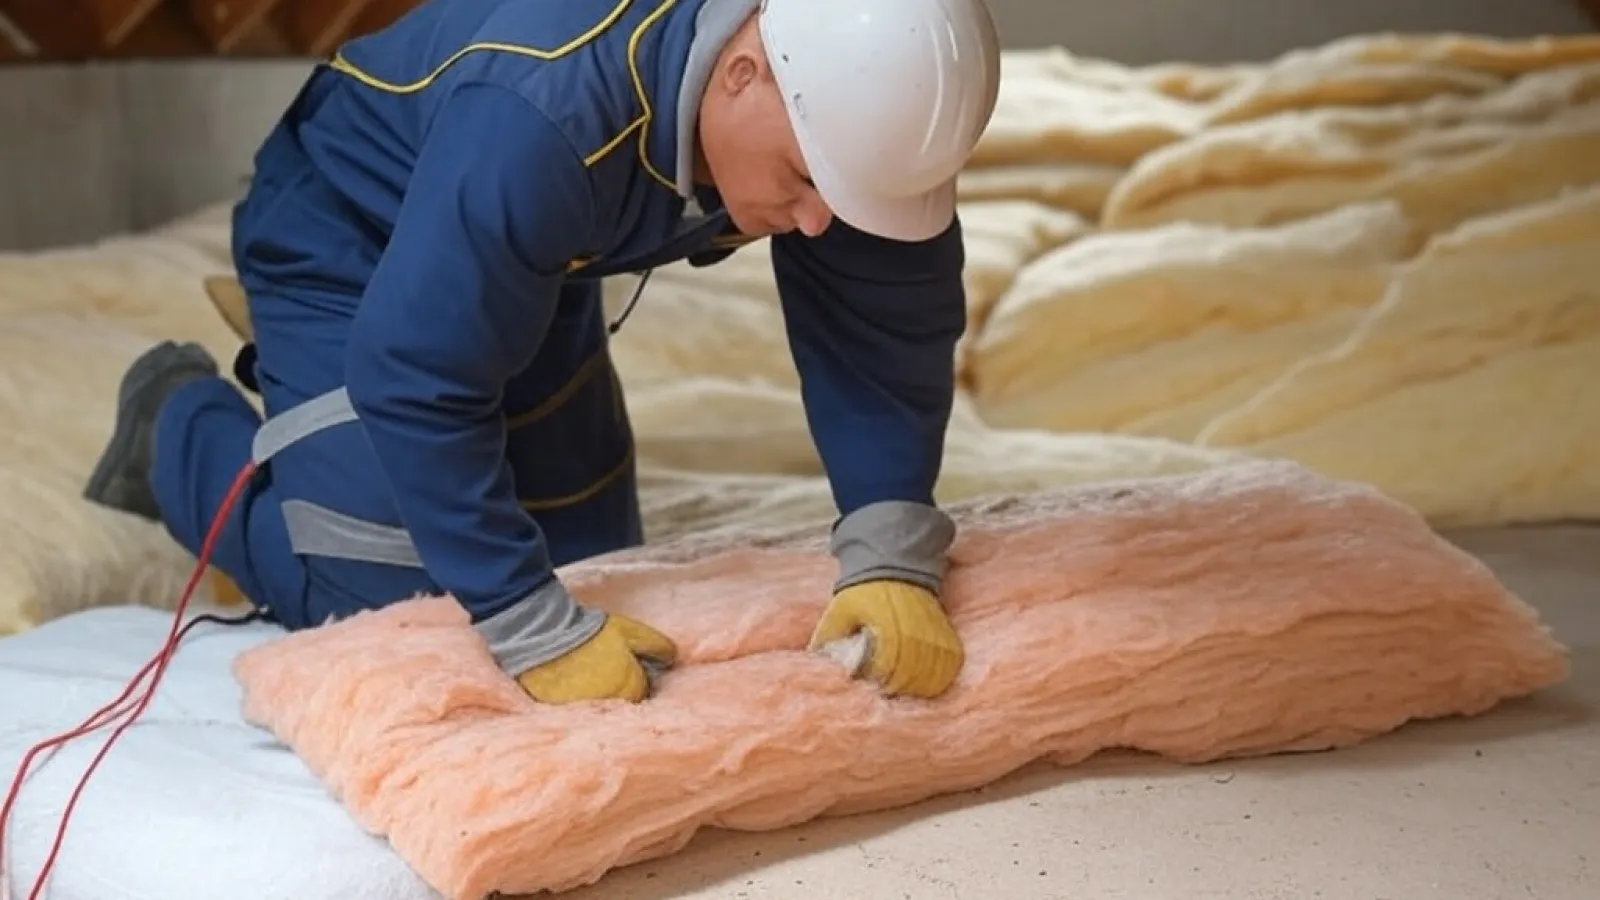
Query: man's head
[(862, 110)]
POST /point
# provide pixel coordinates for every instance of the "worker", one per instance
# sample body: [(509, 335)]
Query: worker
[(421, 248)]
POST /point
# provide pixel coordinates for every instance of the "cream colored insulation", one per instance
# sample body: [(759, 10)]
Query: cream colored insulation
[(1379, 258)]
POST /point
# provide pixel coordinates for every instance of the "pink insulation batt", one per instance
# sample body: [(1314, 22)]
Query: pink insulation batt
[(1246, 610)]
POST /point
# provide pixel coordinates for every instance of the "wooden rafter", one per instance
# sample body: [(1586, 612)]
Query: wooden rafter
[(77, 28), (116, 19), (55, 28), (317, 27), (72, 30), (228, 23)]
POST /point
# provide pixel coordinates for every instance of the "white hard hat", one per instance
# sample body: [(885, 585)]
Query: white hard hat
[(888, 99)]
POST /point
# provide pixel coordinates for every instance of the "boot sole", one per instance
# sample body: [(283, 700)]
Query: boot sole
[(135, 423)]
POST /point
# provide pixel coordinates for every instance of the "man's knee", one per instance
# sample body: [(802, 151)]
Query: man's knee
[(209, 404)]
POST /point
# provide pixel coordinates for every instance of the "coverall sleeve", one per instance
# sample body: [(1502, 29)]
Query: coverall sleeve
[(461, 300), (873, 324)]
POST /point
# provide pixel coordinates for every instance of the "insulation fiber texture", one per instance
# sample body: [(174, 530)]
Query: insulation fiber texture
[(1374, 257), (1250, 609)]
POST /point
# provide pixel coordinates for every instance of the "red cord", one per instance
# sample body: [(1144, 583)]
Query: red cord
[(158, 663)]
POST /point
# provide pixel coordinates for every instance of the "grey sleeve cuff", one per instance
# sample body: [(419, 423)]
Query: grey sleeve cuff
[(538, 628), (894, 540)]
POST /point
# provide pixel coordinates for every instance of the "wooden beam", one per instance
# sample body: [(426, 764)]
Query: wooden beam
[(318, 27), (14, 45), (228, 23), (265, 41), (56, 28), (166, 32), (116, 19), (78, 30)]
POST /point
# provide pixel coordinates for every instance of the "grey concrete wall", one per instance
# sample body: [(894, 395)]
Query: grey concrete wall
[(91, 150)]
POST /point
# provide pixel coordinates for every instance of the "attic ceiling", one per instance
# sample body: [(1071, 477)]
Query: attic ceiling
[(70, 30), (76, 30)]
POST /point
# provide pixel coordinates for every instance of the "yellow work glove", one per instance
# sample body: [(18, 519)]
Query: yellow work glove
[(605, 667), (915, 651)]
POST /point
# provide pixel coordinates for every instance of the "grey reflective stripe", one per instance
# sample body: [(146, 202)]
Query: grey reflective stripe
[(893, 539), (542, 626), (310, 417), (318, 531)]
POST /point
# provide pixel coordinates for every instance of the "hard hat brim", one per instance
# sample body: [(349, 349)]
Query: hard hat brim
[(911, 219), (916, 218)]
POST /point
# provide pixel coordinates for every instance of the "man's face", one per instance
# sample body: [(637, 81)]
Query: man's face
[(752, 154)]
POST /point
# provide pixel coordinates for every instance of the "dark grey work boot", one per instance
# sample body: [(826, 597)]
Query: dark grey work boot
[(121, 480)]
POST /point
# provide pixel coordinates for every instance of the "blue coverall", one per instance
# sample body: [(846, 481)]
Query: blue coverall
[(426, 229)]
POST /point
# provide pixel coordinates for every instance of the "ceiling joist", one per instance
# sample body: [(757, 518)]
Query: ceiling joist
[(228, 23), (78, 30)]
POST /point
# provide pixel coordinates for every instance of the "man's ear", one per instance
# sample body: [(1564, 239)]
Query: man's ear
[(741, 71)]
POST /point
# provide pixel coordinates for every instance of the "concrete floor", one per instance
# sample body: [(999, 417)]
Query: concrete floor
[(1503, 806)]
